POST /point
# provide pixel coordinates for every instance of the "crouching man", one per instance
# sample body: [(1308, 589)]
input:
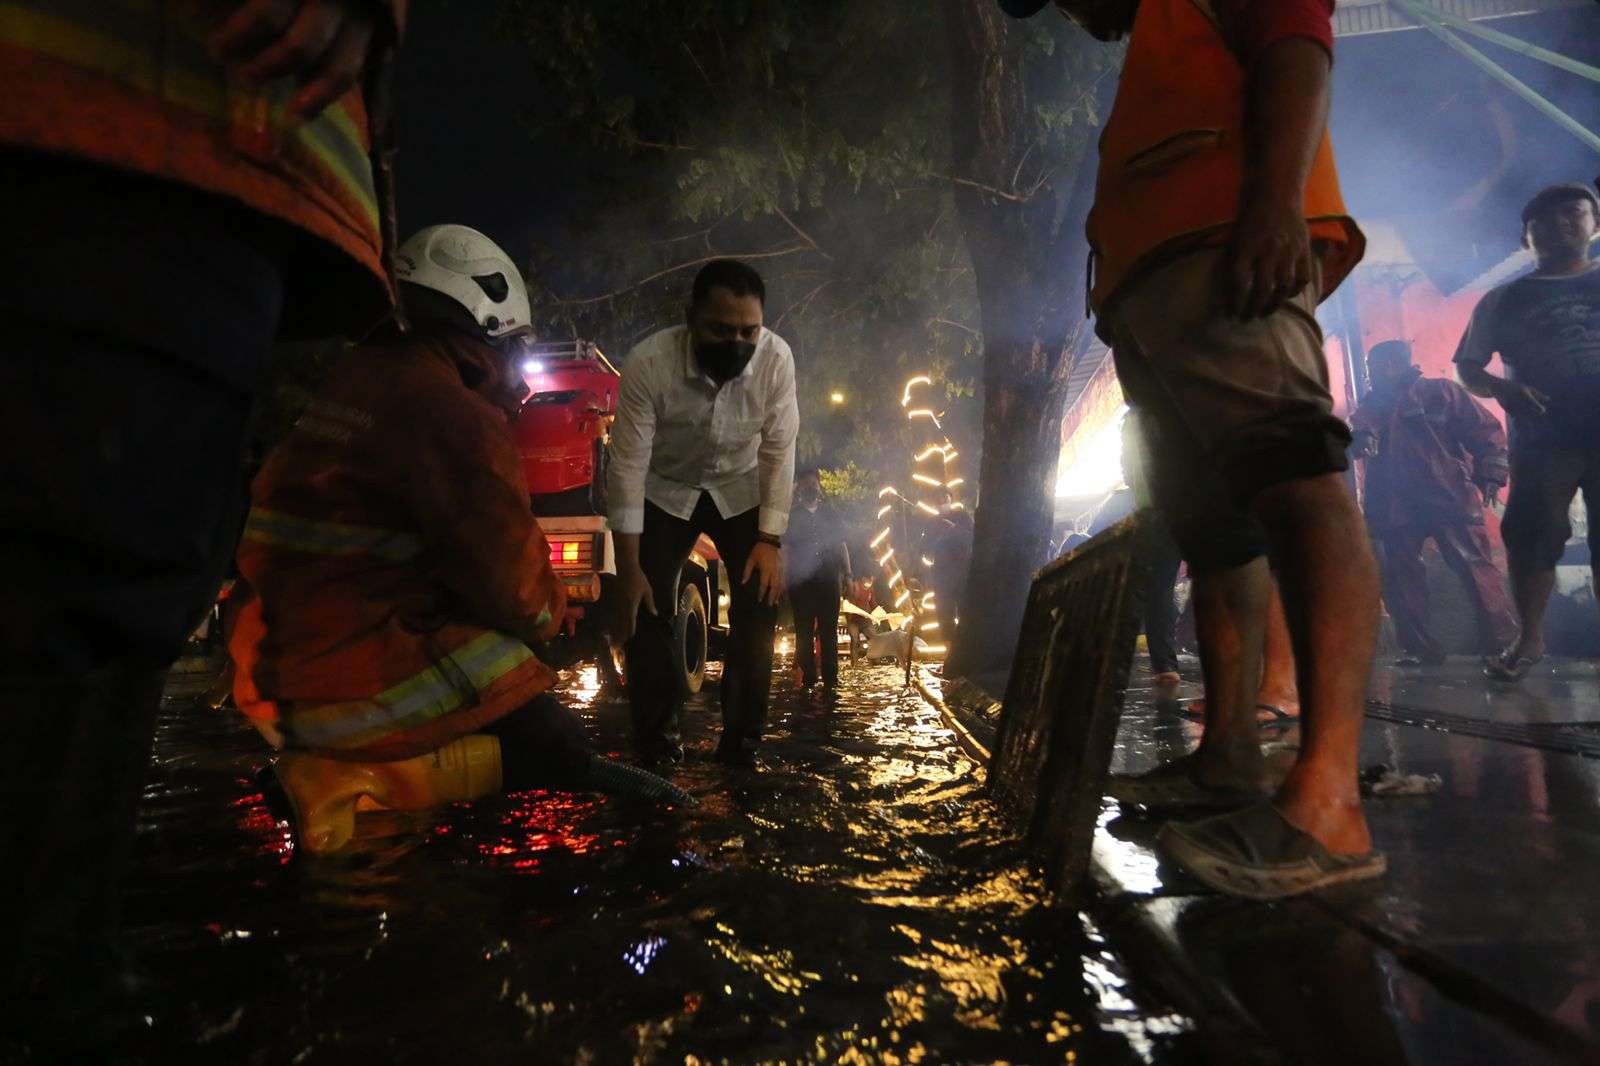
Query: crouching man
[(397, 574)]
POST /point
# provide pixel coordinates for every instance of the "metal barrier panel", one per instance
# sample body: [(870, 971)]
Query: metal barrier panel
[(1064, 697)]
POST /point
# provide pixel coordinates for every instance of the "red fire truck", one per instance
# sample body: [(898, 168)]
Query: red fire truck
[(562, 434)]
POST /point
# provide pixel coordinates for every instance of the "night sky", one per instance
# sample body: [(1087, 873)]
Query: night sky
[(468, 149), (1409, 124)]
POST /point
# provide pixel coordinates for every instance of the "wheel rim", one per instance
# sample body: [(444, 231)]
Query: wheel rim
[(694, 644)]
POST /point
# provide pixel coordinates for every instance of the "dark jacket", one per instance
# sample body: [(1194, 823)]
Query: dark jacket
[(815, 543)]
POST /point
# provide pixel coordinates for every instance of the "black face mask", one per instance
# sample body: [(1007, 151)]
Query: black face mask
[(722, 361)]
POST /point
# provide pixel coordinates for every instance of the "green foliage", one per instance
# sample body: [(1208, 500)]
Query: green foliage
[(809, 137), (848, 484)]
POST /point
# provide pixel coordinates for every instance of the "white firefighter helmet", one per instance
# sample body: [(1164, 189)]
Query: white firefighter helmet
[(468, 267)]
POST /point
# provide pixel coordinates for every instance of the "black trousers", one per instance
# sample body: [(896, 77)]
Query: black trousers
[(131, 340), (655, 691), (816, 620), (1160, 608), (543, 744)]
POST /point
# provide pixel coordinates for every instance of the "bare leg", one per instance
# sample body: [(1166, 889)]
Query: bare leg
[(1277, 658), (1531, 589), (1330, 592), (1277, 686), (1230, 607)]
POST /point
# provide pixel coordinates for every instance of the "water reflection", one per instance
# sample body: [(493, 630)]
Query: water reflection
[(859, 901)]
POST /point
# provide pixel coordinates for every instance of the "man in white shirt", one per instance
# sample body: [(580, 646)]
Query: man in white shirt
[(703, 443)]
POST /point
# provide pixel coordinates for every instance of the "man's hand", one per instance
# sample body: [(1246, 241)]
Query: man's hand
[(321, 44), (1365, 446), (633, 589), (766, 565), (1519, 399), (1286, 111), (1269, 258)]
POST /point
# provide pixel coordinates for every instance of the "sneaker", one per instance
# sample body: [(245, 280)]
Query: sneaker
[(1257, 853)]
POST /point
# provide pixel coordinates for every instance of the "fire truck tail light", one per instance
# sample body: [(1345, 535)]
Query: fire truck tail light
[(572, 551)]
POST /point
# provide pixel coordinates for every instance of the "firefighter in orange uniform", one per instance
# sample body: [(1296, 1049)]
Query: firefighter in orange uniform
[(189, 181), (397, 575)]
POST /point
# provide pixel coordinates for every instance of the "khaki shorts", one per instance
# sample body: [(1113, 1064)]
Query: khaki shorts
[(1230, 407)]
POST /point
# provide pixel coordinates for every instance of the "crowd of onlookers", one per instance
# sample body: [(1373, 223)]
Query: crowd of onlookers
[(1435, 460)]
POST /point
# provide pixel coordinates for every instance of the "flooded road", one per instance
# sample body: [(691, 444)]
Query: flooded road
[(858, 900)]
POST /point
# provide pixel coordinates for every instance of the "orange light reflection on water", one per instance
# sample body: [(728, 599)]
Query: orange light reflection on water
[(257, 822), (538, 823)]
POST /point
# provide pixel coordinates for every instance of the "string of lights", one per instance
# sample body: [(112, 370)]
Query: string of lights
[(935, 484)]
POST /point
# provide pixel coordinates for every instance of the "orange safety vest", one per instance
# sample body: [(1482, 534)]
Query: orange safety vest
[(1172, 154), (129, 84), (393, 564)]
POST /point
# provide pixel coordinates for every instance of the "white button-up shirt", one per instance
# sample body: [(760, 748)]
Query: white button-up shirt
[(677, 434)]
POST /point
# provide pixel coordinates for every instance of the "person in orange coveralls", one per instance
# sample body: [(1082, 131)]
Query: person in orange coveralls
[(397, 574), (1434, 456)]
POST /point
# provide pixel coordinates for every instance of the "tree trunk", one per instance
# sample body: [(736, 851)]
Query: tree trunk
[(1029, 257)]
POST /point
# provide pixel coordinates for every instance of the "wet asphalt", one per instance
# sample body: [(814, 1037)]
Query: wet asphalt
[(856, 899)]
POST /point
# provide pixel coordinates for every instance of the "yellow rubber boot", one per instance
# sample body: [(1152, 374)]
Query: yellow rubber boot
[(324, 792)]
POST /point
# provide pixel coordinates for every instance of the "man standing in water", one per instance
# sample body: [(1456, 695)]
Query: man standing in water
[(1545, 327), (703, 443), (1217, 228), (818, 570)]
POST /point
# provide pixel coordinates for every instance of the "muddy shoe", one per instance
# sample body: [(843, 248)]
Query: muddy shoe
[(1175, 784), (1257, 853)]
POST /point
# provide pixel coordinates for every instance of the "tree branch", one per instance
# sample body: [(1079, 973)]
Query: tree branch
[(802, 234), (799, 307), (687, 264), (954, 325), (640, 142)]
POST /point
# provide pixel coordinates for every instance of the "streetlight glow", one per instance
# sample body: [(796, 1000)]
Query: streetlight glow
[(836, 397)]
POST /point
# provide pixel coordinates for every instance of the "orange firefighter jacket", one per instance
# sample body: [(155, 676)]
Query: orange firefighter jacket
[(396, 572), (130, 85), (1172, 154)]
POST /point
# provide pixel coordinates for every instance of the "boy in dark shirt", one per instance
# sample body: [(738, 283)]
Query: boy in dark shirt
[(1545, 327)]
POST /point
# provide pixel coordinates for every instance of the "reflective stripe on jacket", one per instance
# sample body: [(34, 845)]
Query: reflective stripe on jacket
[(396, 572), (129, 84), (1172, 154)]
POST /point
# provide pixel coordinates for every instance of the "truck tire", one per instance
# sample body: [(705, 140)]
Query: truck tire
[(689, 638)]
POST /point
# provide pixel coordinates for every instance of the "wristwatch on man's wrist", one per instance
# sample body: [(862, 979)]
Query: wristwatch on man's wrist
[(769, 538)]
